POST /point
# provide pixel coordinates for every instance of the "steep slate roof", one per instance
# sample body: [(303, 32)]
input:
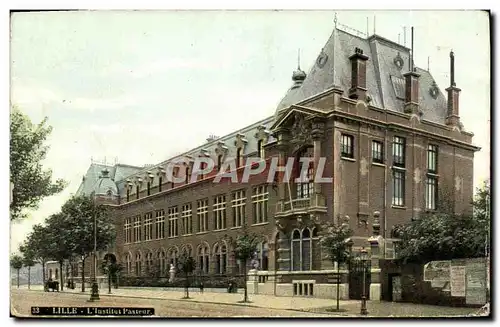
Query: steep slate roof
[(383, 77), (385, 86), (92, 177)]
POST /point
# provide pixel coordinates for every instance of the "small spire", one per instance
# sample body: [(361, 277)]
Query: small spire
[(298, 60), (335, 20), (374, 23), (452, 68)]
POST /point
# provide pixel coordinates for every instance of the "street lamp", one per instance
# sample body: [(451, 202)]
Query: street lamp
[(94, 295), (364, 259)]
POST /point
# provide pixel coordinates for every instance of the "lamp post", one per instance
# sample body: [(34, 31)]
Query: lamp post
[(364, 258), (94, 295)]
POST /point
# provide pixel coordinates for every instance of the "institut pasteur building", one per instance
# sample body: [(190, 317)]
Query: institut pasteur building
[(393, 142)]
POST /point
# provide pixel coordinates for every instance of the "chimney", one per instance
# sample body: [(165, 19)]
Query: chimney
[(452, 117), (358, 75), (411, 105)]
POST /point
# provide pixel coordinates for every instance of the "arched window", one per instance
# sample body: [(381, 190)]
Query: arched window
[(187, 251), (203, 258), (138, 264), (128, 264), (263, 255), (149, 262), (260, 148), (173, 255), (162, 262), (220, 259), (302, 248), (306, 249), (305, 173), (296, 251)]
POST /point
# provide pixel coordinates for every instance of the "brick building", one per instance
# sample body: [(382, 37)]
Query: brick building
[(394, 145)]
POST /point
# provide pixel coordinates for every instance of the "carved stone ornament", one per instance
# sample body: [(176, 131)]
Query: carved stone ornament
[(240, 141), (322, 59), (433, 90), (280, 225), (301, 131), (398, 61)]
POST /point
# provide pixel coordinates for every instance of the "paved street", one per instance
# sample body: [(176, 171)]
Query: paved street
[(22, 301), (170, 303)]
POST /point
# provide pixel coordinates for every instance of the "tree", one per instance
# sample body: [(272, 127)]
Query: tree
[(28, 260), (27, 151), (80, 212), (335, 241), (186, 265), (445, 236), (244, 247), (16, 262), (111, 268), (61, 240), (37, 244)]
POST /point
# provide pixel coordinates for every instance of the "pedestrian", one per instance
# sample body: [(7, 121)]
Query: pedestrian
[(201, 287)]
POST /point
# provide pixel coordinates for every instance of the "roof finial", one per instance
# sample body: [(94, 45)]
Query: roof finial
[(298, 60), (399, 38), (374, 23), (335, 20), (452, 68), (367, 27), (428, 63), (404, 36)]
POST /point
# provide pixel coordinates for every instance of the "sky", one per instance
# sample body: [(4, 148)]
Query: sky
[(139, 87)]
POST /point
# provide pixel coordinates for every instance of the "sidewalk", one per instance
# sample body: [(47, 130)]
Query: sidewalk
[(261, 301), (352, 307)]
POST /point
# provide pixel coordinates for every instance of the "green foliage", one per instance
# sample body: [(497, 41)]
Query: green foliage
[(245, 245), (27, 152), (28, 256), (79, 213), (60, 241), (16, 261), (36, 244), (185, 264), (334, 241), (444, 236)]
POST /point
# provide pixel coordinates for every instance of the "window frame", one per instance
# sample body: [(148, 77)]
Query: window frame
[(346, 146), (377, 156), (399, 151)]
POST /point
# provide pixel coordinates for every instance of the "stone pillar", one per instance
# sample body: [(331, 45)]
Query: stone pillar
[(376, 249), (317, 133), (252, 282), (272, 256), (283, 252)]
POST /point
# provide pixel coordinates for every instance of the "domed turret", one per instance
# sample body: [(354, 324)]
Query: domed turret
[(104, 185), (298, 75)]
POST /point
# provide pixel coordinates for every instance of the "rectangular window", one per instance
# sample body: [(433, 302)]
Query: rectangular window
[(202, 213), (377, 152), (173, 218), (238, 158), (398, 151), (149, 188), (239, 207), (305, 187), (137, 229), (188, 175), (160, 181), (137, 189), (431, 193), (347, 146), (219, 162), (160, 224), (127, 227), (187, 219), (260, 197), (260, 148), (220, 212), (148, 226), (398, 188), (128, 195), (432, 156)]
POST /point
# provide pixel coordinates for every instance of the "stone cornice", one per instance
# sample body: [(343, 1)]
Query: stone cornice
[(390, 125)]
